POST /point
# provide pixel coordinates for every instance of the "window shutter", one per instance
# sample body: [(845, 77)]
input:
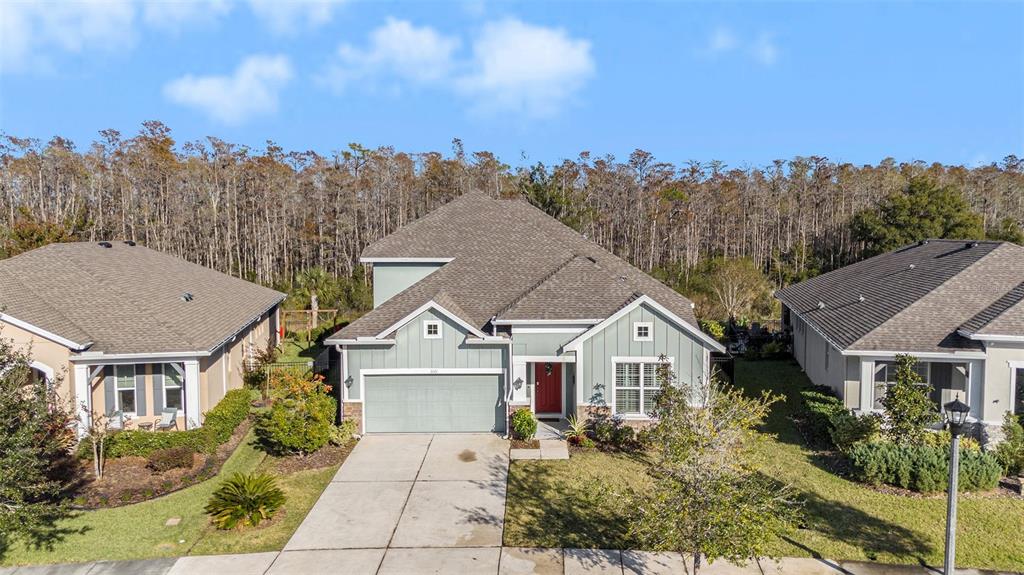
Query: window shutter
[(140, 389), (108, 390), (158, 388)]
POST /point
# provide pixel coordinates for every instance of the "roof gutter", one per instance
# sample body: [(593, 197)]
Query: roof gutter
[(992, 337), (44, 333), (359, 341), (405, 260), (100, 356), (917, 354)]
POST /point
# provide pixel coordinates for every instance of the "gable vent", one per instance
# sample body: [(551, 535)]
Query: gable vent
[(105, 245)]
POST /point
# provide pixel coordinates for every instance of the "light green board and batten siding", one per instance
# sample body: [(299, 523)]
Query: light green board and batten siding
[(412, 350), (594, 371), (390, 279), (548, 344)]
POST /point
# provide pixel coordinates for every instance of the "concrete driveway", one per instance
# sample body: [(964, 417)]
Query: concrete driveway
[(411, 503)]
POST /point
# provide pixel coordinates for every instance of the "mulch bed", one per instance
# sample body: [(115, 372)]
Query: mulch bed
[(520, 444), (127, 480), (327, 456)]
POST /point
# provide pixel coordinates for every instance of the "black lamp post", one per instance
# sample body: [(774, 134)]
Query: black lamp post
[(955, 413)]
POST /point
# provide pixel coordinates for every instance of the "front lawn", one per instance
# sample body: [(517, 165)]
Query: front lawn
[(565, 503), (139, 531)]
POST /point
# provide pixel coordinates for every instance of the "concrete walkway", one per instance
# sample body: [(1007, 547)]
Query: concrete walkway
[(468, 561)]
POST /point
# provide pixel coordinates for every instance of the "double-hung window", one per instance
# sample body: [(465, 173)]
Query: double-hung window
[(636, 387), (172, 387), (124, 379), (885, 377)]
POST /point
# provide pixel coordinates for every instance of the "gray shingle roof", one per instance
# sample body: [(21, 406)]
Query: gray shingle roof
[(513, 261), (914, 298), (128, 299), (1004, 317)]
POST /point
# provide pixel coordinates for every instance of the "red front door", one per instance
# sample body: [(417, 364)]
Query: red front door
[(548, 387)]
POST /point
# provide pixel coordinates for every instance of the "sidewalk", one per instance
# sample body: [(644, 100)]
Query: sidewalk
[(468, 561)]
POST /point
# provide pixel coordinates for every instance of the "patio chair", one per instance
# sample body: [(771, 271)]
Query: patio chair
[(168, 419), (115, 421)]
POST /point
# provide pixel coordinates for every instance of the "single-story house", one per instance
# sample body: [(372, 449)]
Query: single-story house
[(956, 306), (129, 330), (487, 305)]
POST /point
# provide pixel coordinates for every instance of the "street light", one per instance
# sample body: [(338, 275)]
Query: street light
[(955, 413)]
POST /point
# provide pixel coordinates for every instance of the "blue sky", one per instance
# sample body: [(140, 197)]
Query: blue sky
[(745, 83)]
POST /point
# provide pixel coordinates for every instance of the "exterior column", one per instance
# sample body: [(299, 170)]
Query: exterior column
[(192, 393), (867, 383), (82, 399)]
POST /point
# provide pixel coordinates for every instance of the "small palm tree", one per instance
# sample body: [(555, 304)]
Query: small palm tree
[(244, 500)]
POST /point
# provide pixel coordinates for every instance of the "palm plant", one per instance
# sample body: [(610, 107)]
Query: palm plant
[(244, 500), (577, 430)]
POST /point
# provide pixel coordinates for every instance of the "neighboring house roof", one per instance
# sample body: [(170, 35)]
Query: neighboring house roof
[(1005, 317), (127, 299), (912, 299), (511, 261)]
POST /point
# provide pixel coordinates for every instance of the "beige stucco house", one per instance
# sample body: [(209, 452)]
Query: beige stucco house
[(121, 328), (957, 306)]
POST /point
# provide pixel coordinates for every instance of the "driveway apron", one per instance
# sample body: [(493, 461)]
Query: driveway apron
[(411, 503)]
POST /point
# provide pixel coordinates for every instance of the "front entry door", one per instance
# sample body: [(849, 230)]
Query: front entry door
[(547, 379)]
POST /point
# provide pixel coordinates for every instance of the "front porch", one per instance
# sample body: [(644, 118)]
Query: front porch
[(545, 384), (132, 394)]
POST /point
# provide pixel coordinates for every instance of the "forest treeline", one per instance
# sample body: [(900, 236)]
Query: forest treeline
[(269, 215)]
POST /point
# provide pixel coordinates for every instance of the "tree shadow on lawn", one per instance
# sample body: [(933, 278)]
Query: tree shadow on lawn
[(546, 510), (45, 535), (874, 536)]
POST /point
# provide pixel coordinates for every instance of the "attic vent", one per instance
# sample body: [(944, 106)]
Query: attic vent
[(912, 266), (592, 260), (821, 305), (622, 278), (860, 298), (972, 244), (187, 296), (129, 243), (922, 242), (105, 245)]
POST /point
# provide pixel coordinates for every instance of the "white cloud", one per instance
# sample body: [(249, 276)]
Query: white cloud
[(252, 90), (762, 49), (288, 17), (765, 50), (722, 40), (174, 14), (28, 28), (397, 49), (521, 68)]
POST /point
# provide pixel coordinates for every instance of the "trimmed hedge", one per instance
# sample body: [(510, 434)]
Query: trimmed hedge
[(921, 468), (821, 405), (219, 424)]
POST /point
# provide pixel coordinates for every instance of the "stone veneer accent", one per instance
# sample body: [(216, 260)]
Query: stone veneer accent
[(353, 410), (585, 412)]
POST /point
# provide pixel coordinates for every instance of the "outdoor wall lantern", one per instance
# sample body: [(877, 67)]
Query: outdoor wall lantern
[(348, 382), (547, 369)]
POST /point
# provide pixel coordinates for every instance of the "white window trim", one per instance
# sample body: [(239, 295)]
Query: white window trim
[(635, 359), (641, 324), (181, 386), (117, 390), (427, 323)]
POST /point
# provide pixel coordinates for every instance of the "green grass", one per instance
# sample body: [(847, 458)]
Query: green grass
[(138, 531), (576, 503)]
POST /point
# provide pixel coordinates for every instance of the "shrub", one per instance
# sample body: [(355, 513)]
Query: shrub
[(623, 437), (847, 429), (820, 406), (301, 421), (343, 434), (244, 500), (713, 328), (577, 430), (163, 460), (524, 425), (942, 439), (908, 408), (921, 467), (218, 425), (602, 430), (1010, 452)]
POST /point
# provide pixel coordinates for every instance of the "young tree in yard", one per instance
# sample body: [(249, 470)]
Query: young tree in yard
[(737, 287), (707, 500), (907, 405), (36, 466), (920, 211)]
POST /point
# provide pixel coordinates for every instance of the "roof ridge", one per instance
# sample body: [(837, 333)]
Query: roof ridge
[(892, 317), (540, 282)]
